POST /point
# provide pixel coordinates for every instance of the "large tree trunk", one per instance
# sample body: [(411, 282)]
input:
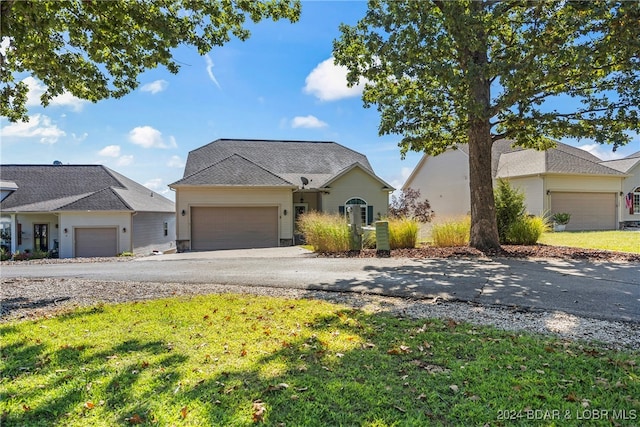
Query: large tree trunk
[(484, 229)]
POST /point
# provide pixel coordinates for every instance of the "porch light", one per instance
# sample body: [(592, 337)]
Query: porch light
[(183, 212), (285, 212), (66, 230), (124, 229)]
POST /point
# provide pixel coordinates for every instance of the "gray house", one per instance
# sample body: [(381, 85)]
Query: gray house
[(249, 193), (81, 211)]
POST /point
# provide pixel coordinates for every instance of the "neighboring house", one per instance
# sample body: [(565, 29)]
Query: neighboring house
[(561, 179), (82, 211), (249, 193)]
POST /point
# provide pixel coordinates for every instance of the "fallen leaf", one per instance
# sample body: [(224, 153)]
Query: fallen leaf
[(278, 387), (26, 408), (571, 397), (258, 411), (454, 388), (243, 352), (135, 419), (89, 405), (474, 398), (183, 412)]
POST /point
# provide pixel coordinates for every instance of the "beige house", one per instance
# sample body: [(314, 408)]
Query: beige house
[(562, 179), (249, 193), (81, 211)]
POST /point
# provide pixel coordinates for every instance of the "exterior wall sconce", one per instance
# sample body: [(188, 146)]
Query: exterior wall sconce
[(183, 213), (66, 230), (621, 193), (548, 192), (285, 212), (124, 229)]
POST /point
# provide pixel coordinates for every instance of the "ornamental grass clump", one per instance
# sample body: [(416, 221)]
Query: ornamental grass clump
[(451, 233), (403, 233), (325, 232)]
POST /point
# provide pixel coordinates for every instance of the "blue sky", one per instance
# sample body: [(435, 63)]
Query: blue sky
[(279, 84)]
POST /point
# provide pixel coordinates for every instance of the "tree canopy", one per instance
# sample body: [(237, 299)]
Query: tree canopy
[(443, 73), (97, 49)]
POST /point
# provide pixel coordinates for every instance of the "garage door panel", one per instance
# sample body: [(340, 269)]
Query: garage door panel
[(226, 227), (96, 242), (589, 211)]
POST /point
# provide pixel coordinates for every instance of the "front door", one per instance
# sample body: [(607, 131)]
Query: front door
[(41, 237), (298, 209)]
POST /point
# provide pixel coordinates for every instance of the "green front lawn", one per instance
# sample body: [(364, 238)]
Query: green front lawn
[(625, 241), (241, 360)]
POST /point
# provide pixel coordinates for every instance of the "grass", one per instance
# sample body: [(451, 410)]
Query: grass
[(240, 360), (325, 232), (454, 232), (403, 233), (625, 241)]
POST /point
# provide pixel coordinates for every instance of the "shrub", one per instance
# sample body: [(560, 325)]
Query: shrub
[(325, 232), (509, 207), (21, 256), (403, 233), (125, 254), (406, 205), (4, 254), (451, 233), (526, 230), (39, 255), (561, 218)]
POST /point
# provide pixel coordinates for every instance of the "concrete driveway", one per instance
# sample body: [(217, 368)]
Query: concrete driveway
[(609, 291)]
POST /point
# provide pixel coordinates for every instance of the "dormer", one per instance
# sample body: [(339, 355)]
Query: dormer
[(6, 188)]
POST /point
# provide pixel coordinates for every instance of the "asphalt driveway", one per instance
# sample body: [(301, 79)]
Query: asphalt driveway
[(609, 291)]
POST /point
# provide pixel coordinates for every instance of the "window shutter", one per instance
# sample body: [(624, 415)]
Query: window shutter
[(341, 210), (369, 214)]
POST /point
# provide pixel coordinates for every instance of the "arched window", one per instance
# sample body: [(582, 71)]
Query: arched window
[(636, 201), (356, 201)]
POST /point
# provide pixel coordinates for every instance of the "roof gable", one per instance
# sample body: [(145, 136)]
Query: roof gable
[(288, 160), (357, 166), (235, 170), (45, 188)]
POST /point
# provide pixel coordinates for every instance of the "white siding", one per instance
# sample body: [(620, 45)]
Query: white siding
[(69, 221), (444, 181), (628, 185), (533, 189), (27, 221), (148, 232)]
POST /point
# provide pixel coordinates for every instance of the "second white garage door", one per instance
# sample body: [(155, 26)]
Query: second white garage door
[(215, 228), (589, 211)]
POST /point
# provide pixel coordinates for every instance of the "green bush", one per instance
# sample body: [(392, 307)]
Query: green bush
[(325, 232), (526, 230), (451, 233), (4, 255), (510, 207), (403, 233)]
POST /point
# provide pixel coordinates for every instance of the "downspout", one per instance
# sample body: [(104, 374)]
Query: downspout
[(131, 231)]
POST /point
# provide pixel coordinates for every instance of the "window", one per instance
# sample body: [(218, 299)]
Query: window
[(40, 237), (355, 201), (636, 201)]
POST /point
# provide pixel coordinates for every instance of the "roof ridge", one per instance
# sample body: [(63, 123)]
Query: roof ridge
[(88, 195), (582, 158)]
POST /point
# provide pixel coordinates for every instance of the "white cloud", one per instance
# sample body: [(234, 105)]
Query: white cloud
[(36, 89), (110, 151), (148, 137), (210, 70), (79, 138), (38, 126), (155, 87), (175, 162), (125, 160), (328, 82), (154, 184), (307, 122), (603, 152)]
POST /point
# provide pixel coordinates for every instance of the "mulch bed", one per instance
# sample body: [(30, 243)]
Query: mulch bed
[(507, 251)]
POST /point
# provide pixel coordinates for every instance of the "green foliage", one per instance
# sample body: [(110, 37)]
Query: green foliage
[(443, 73), (21, 256), (126, 254), (526, 230), (510, 207), (4, 254), (97, 49), (403, 233), (451, 233), (325, 232), (561, 218), (218, 359), (39, 254)]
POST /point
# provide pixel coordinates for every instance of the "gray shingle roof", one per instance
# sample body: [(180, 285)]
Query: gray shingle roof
[(46, 188), (625, 164), (286, 160)]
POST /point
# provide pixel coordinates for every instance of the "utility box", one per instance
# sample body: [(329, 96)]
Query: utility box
[(383, 246)]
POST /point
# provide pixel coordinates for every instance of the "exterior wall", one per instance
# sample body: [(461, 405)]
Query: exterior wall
[(186, 197), (26, 240), (581, 183), (533, 189), (444, 181), (72, 220), (148, 232), (628, 185), (357, 183)]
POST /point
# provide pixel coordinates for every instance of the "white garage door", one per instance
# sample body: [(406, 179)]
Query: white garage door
[(96, 242), (234, 227), (589, 211)]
